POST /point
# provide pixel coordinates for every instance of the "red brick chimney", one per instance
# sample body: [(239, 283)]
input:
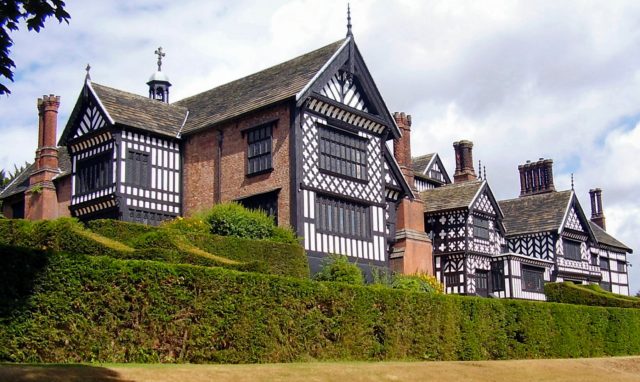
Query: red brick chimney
[(41, 201), (412, 252), (464, 162), (402, 147), (597, 212), (537, 177)]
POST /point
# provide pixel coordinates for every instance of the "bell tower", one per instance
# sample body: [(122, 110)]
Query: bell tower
[(159, 82)]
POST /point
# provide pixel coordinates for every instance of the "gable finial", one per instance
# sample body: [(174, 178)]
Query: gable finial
[(479, 169), (485, 172), (87, 77), (349, 33), (572, 182), (160, 54)]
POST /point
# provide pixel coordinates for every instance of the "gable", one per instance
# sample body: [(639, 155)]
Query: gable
[(435, 170), (344, 89), (91, 119), (483, 204), (87, 117), (575, 220)]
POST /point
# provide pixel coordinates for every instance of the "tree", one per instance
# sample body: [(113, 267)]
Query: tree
[(12, 12), (638, 293)]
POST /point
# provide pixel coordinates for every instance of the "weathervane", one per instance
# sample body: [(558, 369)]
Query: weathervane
[(160, 54), (88, 76), (349, 34)]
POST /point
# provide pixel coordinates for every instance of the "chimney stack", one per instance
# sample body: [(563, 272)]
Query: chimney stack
[(47, 152), (41, 200), (597, 212), (464, 162), (537, 177), (402, 146)]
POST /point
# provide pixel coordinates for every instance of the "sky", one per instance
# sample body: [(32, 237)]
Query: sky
[(522, 79)]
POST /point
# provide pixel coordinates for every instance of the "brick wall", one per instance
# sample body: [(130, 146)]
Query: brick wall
[(201, 155), (63, 190)]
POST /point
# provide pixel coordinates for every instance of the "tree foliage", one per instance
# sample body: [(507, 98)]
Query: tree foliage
[(34, 13)]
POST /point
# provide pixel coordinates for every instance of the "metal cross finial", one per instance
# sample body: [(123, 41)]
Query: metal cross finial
[(160, 54), (349, 33), (88, 76)]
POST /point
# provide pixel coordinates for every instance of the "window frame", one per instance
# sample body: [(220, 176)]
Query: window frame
[(253, 142), (532, 270), (336, 149), (87, 170), (565, 253), (134, 178), (619, 264), (497, 276), (603, 261), (478, 228), (355, 222)]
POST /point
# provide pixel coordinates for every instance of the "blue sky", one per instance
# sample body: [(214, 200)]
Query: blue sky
[(521, 79)]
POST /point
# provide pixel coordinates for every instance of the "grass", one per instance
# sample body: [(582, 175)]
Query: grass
[(584, 370)]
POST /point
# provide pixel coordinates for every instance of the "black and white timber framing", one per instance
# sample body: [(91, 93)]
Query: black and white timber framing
[(342, 101), (143, 172)]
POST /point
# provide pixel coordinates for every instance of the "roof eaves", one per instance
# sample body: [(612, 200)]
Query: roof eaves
[(100, 102)]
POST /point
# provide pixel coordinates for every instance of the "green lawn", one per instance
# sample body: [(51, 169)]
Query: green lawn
[(584, 370)]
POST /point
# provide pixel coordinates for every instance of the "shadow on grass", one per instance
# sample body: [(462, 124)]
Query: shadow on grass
[(58, 373)]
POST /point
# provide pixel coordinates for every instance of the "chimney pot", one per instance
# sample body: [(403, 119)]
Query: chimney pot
[(464, 161)]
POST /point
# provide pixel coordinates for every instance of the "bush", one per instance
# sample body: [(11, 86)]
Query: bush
[(232, 219), (571, 293), (188, 244), (338, 268), (56, 307), (417, 283)]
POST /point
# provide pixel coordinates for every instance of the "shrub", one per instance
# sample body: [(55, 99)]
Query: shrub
[(191, 225), (571, 293), (232, 219), (338, 268), (417, 283)]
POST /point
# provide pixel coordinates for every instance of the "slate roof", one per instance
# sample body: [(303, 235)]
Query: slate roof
[(602, 237), (419, 164), (257, 90), (141, 112), (450, 196), (21, 182), (535, 213)]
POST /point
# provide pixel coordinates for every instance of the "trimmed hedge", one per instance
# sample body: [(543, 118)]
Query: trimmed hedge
[(58, 307), (136, 241), (593, 295), (259, 255)]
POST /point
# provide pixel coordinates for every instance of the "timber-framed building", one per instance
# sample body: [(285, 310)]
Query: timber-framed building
[(312, 142)]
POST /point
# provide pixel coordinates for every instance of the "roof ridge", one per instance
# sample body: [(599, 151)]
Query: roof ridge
[(184, 100)]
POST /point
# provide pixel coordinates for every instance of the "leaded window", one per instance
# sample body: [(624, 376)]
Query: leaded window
[(480, 228), (622, 266), (259, 149), (482, 283), (343, 153), (571, 249), (267, 202), (341, 217), (94, 173), (532, 279), (138, 171), (605, 285), (604, 263)]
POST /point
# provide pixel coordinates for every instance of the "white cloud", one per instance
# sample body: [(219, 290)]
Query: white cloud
[(521, 79)]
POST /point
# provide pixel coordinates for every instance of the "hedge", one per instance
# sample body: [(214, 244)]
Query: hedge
[(57, 307), (276, 258), (136, 241), (593, 295)]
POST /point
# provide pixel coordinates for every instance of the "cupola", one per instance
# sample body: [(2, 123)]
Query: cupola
[(159, 82)]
